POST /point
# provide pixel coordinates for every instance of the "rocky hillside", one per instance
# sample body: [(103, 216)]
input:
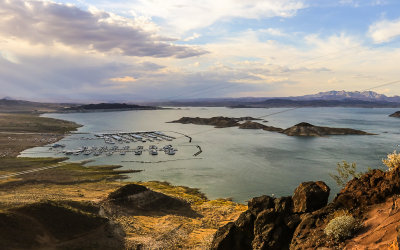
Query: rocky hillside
[(298, 221)]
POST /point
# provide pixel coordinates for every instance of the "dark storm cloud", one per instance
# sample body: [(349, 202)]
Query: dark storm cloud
[(48, 22)]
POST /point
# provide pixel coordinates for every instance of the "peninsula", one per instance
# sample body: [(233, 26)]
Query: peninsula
[(101, 107)]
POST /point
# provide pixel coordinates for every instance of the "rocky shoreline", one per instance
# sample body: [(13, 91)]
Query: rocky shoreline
[(73, 206), (298, 221)]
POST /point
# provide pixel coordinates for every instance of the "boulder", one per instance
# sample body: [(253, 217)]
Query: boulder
[(258, 204), (310, 196), (269, 223), (235, 235)]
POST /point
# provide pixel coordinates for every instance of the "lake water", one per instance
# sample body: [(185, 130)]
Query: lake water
[(241, 163)]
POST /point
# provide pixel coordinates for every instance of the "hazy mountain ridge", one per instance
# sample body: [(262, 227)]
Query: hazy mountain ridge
[(366, 99), (356, 95)]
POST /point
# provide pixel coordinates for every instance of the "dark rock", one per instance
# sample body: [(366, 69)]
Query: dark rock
[(309, 234), (284, 204), (258, 204), (395, 114), (274, 230), (310, 196), (237, 235)]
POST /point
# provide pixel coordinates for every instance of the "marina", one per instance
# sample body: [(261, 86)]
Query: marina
[(116, 143)]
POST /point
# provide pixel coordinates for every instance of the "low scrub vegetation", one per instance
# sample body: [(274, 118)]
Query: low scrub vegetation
[(392, 161), (345, 172), (342, 227)]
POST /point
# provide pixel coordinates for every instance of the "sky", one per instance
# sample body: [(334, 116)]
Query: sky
[(147, 50)]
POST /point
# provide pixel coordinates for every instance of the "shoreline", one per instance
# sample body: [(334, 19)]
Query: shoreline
[(77, 194)]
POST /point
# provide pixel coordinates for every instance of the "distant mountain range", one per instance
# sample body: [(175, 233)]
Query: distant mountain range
[(322, 99), (365, 99), (343, 95)]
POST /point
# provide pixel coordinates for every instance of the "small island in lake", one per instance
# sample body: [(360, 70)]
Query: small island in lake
[(301, 129), (395, 114), (307, 129), (218, 121)]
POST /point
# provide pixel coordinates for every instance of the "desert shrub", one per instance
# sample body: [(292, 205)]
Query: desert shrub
[(392, 161), (345, 171), (342, 227)]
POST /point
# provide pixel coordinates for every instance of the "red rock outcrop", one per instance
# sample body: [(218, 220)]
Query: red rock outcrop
[(298, 222)]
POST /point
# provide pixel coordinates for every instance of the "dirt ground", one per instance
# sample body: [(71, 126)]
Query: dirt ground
[(22, 131)]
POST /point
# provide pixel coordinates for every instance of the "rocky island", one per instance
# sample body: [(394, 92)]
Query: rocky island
[(395, 114), (300, 129), (217, 122), (307, 129)]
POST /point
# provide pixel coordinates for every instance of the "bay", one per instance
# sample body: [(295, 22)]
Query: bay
[(239, 163)]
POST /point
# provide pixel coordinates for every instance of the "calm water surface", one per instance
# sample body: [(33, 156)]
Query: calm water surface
[(241, 163)]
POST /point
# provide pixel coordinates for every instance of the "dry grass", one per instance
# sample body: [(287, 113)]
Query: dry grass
[(93, 184), (180, 232), (22, 131)]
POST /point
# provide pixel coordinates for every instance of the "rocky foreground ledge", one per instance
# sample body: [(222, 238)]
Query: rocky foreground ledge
[(298, 221), (300, 129)]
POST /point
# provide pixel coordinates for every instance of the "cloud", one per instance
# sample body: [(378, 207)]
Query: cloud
[(273, 32), (49, 23), (123, 79), (184, 15), (384, 30), (358, 3), (192, 37)]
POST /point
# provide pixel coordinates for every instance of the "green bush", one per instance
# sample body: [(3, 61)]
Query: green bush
[(345, 171), (342, 227)]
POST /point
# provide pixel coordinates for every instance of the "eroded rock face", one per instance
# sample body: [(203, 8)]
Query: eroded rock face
[(310, 196), (371, 188), (269, 223)]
